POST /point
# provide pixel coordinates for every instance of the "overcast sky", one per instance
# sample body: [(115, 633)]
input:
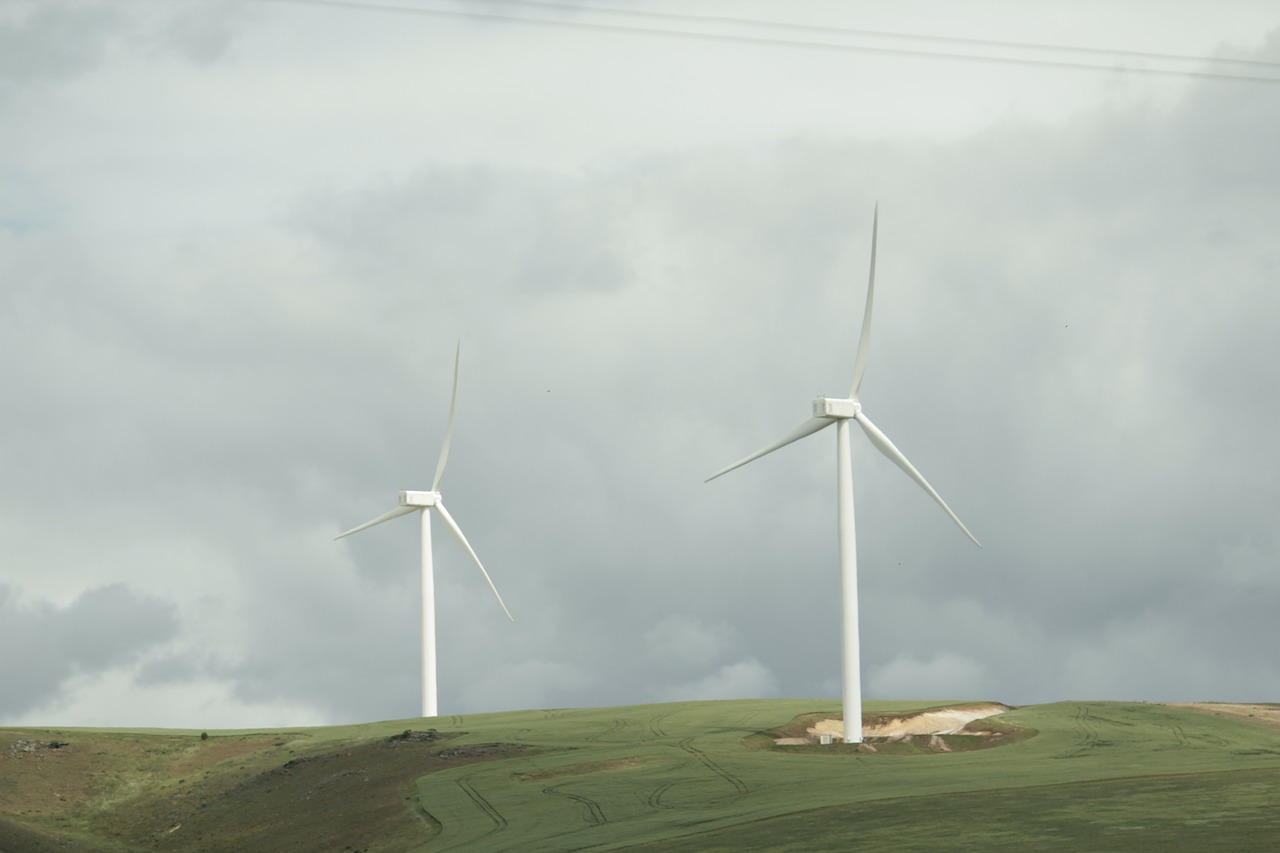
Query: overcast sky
[(240, 240)]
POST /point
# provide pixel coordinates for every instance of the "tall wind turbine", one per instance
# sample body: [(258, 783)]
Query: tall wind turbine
[(828, 411), (422, 503)]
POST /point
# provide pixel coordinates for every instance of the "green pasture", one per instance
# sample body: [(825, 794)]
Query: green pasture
[(696, 776), (1097, 775)]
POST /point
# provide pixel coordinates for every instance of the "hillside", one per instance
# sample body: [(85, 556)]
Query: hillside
[(686, 776)]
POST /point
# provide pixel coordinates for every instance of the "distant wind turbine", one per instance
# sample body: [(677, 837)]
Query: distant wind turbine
[(422, 502), (828, 411)]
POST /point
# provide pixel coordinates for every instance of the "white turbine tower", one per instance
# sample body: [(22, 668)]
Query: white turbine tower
[(422, 503), (828, 411)]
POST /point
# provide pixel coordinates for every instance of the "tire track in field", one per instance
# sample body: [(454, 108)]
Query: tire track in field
[(594, 815), (740, 789), (499, 822), (614, 728), (738, 785), (1183, 739), (1086, 734), (655, 796), (655, 724), (1084, 722)]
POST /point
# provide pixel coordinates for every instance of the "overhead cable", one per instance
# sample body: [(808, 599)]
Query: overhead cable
[(1100, 52), (769, 41)]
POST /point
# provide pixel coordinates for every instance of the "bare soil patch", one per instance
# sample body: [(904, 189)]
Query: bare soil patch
[(1261, 714), (955, 729), (940, 721)]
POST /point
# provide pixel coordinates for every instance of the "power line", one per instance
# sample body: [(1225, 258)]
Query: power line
[(813, 45), (883, 34)]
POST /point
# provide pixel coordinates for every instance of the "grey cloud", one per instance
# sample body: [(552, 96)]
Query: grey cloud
[(57, 40), (744, 679), (103, 628), (201, 32), (54, 40), (945, 675), (541, 684), (1073, 336), (543, 235)]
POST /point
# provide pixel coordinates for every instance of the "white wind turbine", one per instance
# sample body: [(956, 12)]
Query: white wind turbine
[(828, 411), (422, 503)]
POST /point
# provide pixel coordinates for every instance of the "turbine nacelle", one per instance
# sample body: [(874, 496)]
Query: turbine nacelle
[(422, 499), (834, 408)]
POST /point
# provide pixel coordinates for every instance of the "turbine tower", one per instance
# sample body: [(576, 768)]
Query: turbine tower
[(828, 411), (422, 503)]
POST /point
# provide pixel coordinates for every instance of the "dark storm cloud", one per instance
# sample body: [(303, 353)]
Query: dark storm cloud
[(44, 645)]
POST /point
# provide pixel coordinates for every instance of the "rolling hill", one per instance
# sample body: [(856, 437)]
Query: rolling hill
[(702, 776)]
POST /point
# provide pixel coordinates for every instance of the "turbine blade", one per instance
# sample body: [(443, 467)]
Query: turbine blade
[(448, 430), (466, 546), (864, 342), (386, 516), (809, 427), (885, 446)]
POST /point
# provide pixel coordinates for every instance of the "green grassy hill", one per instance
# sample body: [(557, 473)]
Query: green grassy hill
[(685, 776)]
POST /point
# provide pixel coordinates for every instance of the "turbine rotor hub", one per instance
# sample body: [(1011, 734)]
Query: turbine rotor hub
[(836, 408)]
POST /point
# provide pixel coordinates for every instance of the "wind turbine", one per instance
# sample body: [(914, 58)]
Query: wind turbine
[(422, 503), (839, 411)]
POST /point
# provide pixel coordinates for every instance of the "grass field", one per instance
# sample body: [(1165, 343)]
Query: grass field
[(685, 776)]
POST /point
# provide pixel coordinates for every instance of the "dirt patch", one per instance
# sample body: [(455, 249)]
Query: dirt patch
[(412, 736), (56, 775), (939, 721), (193, 756), (33, 749), (1261, 714), (961, 728)]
